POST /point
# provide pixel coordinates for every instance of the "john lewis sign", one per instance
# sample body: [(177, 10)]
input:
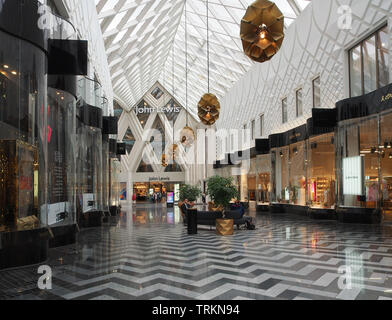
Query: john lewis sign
[(146, 109)]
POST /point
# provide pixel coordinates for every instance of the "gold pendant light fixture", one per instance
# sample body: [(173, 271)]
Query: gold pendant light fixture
[(209, 106), (163, 160), (173, 151), (209, 109), (262, 30), (187, 134)]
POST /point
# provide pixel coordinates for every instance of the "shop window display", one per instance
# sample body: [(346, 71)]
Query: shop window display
[(23, 137), (105, 173), (281, 175), (321, 171), (360, 163), (61, 157), (252, 187), (90, 169), (115, 170), (263, 179), (297, 174), (386, 163), (89, 155)]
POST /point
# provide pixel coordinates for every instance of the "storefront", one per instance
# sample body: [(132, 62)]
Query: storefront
[(62, 140), (289, 153), (321, 164), (143, 185), (144, 191), (114, 181), (23, 136), (109, 151), (303, 179), (263, 182), (90, 202), (365, 157)]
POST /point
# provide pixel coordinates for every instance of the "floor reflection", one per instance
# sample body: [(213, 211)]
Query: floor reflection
[(146, 253)]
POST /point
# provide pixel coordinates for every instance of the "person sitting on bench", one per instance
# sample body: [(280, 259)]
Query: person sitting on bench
[(249, 220)]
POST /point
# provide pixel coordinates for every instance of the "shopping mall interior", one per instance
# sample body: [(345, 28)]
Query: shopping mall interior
[(195, 150)]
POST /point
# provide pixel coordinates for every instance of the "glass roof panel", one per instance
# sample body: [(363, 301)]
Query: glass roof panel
[(140, 35)]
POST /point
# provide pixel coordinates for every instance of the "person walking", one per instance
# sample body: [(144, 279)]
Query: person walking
[(159, 197), (204, 198)]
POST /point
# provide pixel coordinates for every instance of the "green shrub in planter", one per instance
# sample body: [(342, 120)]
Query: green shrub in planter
[(221, 190), (189, 192)]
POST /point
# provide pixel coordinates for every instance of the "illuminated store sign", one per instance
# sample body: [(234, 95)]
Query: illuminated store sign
[(159, 179), (146, 109), (352, 176)]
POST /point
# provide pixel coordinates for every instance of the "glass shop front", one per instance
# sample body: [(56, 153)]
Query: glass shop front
[(61, 157), (365, 157), (105, 174), (263, 179), (303, 170), (89, 155), (115, 171), (61, 145), (23, 137), (321, 173)]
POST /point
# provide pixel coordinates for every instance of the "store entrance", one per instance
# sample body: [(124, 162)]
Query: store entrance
[(144, 192)]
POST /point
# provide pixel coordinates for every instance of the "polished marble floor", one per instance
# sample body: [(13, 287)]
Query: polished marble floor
[(145, 253)]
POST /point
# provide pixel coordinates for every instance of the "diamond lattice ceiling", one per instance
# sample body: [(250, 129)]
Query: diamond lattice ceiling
[(139, 37)]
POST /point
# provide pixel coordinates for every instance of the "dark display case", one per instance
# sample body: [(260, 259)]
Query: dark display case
[(89, 203), (23, 135)]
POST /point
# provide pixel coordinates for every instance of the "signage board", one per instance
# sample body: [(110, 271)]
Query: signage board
[(177, 192), (170, 197), (352, 176)]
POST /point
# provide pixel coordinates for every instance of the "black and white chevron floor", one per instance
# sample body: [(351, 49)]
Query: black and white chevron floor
[(147, 254)]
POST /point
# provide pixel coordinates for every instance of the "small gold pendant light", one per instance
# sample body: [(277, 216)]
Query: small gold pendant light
[(209, 106), (187, 134)]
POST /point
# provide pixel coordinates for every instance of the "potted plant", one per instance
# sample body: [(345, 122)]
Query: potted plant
[(189, 192), (222, 191)]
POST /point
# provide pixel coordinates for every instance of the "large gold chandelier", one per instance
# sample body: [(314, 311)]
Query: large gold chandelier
[(262, 30)]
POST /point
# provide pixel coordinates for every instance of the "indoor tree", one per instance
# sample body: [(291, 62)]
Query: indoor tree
[(221, 190), (189, 192)]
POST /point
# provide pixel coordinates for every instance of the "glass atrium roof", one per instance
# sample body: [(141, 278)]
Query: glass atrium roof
[(139, 37)]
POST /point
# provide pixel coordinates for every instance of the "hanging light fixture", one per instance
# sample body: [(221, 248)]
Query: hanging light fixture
[(262, 30), (209, 106), (170, 152), (187, 134), (173, 149), (163, 160)]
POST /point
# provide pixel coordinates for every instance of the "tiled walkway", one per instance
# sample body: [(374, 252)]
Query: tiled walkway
[(146, 254)]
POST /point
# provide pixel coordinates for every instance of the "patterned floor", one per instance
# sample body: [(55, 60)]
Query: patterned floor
[(147, 254)]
